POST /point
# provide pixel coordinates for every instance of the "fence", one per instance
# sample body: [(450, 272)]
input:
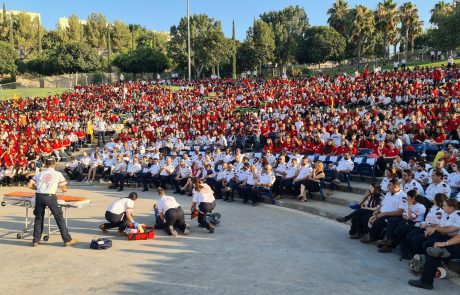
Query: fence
[(42, 86)]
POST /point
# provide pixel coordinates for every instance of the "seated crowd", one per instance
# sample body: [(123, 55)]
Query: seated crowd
[(299, 134)]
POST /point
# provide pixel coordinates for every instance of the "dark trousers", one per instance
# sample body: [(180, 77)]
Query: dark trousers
[(179, 183), (116, 220), (356, 217), (144, 178), (376, 231), (392, 224), (100, 137), (432, 263), (174, 217), (203, 209), (166, 179), (118, 179), (415, 241), (41, 202)]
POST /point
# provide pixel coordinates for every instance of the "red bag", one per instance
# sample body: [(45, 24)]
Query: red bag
[(148, 233)]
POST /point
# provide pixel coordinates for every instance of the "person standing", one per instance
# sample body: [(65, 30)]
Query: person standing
[(46, 184), (170, 215), (101, 128)]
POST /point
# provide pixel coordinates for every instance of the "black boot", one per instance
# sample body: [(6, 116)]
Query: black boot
[(227, 195)]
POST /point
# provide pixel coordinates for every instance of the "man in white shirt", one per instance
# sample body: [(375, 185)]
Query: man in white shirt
[(391, 206), (166, 173), (302, 175), (437, 186), (101, 126), (409, 183), (263, 185), (120, 214), (183, 173), (169, 215), (118, 174), (344, 167)]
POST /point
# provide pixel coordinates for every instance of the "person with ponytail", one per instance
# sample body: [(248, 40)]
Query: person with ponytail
[(204, 202)]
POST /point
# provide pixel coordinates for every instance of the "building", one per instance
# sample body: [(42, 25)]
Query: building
[(63, 22), (32, 15)]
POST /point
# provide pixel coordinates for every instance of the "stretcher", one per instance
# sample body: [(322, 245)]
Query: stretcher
[(27, 200)]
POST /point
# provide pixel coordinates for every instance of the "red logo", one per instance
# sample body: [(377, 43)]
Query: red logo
[(46, 178)]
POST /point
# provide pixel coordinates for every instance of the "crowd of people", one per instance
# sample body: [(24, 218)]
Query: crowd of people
[(157, 136)]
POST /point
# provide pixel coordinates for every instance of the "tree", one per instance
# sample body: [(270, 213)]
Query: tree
[(208, 43), (338, 17), (322, 44), (439, 12), (74, 30), (245, 55), (95, 31), (25, 32), (157, 40), (120, 35), (363, 27), (409, 21), (263, 40), (288, 25), (8, 57), (142, 60), (387, 19)]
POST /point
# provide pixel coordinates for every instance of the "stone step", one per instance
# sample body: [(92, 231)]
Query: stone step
[(321, 208), (357, 187)]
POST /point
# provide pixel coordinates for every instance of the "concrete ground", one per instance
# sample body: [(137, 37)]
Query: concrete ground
[(261, 250)]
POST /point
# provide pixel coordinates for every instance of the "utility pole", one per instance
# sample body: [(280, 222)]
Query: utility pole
[(188, 41), (233, 52)]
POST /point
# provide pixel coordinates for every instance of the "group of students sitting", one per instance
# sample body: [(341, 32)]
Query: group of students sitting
[(403, 217)]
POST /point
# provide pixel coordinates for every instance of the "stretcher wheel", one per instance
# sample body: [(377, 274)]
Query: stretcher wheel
[(46, 238), (3, 204), (19, 236)]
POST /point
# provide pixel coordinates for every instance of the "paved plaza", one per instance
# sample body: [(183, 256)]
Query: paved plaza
[(262, 250)]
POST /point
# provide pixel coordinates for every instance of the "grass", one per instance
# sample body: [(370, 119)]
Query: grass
[(30, 92), (350, 69)]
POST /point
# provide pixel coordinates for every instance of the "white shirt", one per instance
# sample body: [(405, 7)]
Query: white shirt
[(184, 171), (134, 168), (168, 168), (434, 216), (154, 169), (454, 180), (453, 219), (253, 177), (392, 202), (280, 168), (267, 178), (303, 172), (417, 210), (384, 184), (119, 167), (414, 185), (345, 165), (165, 203), (433, 189), (48, 181), (206, 195), (121, 206)]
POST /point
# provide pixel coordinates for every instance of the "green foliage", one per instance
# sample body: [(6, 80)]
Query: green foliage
[(157, 40), (95, 31), (447, 17), (209, 47), (142, 60), (362, 31), (120, 37), (288, 25), (74, 32), (26, 32), (8, 57), (387, 20), (322, 44), (66, 58)]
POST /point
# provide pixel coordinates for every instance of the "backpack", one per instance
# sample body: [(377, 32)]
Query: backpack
[(101, 244)]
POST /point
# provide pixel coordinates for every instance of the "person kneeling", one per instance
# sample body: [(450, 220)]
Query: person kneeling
[(169, 215), (119, 214), (204, 202)]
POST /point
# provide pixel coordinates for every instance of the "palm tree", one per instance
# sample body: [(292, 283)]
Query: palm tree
[(408, 13), (439, 11), (363, 30), (386, 17), (338, 14), (415, 31)]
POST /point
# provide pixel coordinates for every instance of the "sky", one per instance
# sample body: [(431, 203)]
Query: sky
[(160, 15)]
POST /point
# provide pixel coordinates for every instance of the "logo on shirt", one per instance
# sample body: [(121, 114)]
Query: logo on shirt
[(46, 178)]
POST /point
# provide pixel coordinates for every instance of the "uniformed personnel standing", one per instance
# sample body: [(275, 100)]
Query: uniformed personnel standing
[(46, 184)]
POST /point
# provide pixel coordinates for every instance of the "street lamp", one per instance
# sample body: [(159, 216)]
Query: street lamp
[(188, 41)]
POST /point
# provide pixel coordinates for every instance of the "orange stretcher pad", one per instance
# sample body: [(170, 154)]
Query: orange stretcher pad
[(69, 201), (27, 200)]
